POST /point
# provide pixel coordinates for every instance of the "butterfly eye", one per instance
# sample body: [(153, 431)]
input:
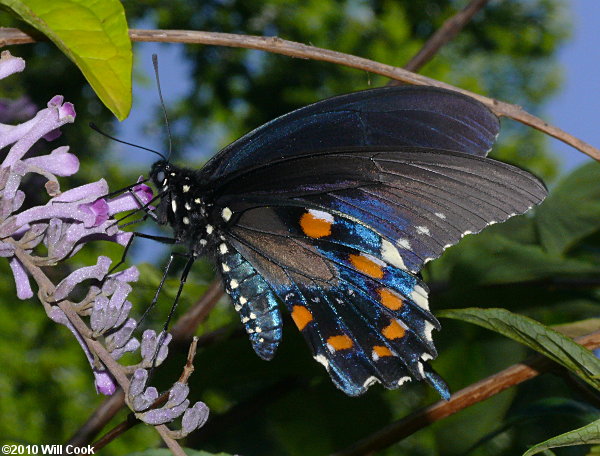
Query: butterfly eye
[(160, 176)]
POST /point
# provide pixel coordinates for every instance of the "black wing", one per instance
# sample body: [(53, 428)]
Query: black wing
[(419, 200), (389, 116)]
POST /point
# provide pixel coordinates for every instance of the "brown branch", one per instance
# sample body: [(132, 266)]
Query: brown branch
[(472, 394), (449, 29), (10, 36), (116, 431), (293, 49), (182, 331), (98, 419), (188, 323), (188, 369)]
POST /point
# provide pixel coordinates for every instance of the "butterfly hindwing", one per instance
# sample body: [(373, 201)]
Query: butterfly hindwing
[(361, 318)]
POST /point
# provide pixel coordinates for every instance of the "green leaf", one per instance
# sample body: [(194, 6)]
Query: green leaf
[(94, 35), (565, 410), (586, 435), (492, 258), (578, 328), (572, 211), (542, 339)]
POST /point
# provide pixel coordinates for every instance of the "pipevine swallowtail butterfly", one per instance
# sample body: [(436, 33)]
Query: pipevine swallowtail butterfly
[(333, 209)]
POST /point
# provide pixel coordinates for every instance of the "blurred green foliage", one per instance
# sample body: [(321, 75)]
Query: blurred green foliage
[(544, 266)]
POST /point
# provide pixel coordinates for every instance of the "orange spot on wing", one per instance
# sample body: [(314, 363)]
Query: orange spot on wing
[(390, 299), (393, 331), (382, 351), (340, 342), (315, 227), (366, 266), (301, 316)]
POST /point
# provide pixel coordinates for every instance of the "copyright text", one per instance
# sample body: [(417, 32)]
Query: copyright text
[(47, 449)]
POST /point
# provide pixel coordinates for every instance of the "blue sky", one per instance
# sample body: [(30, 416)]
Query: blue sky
[(576, 108)]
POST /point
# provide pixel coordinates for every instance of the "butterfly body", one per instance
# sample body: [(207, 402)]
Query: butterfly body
[(189, 209), (333, 209)]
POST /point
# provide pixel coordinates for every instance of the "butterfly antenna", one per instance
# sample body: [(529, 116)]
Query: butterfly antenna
[(94, 127), (162, 102)]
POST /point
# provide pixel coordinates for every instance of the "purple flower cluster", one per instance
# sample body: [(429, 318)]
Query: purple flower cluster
[(42, 236), (141, 398)]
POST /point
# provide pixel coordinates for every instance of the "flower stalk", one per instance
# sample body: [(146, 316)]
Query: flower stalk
[(45, 235)]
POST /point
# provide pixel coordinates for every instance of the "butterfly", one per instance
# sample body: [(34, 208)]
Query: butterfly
[(332, 210)]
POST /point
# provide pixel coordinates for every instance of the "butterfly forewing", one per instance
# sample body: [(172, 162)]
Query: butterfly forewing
[(392, 116), (404, 195)]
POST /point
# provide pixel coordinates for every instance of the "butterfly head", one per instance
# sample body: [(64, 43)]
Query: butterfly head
[(160, 173)]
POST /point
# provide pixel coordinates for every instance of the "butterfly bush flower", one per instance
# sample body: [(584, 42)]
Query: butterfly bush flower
[(44, 235)]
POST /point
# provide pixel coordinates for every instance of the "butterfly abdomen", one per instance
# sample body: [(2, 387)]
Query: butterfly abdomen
[(252, 299)]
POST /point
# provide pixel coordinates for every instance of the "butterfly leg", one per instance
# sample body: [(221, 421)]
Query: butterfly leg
[(160, 285), (188, 265), (124, 189), (161, 239), (144, 206), (135, 222)]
